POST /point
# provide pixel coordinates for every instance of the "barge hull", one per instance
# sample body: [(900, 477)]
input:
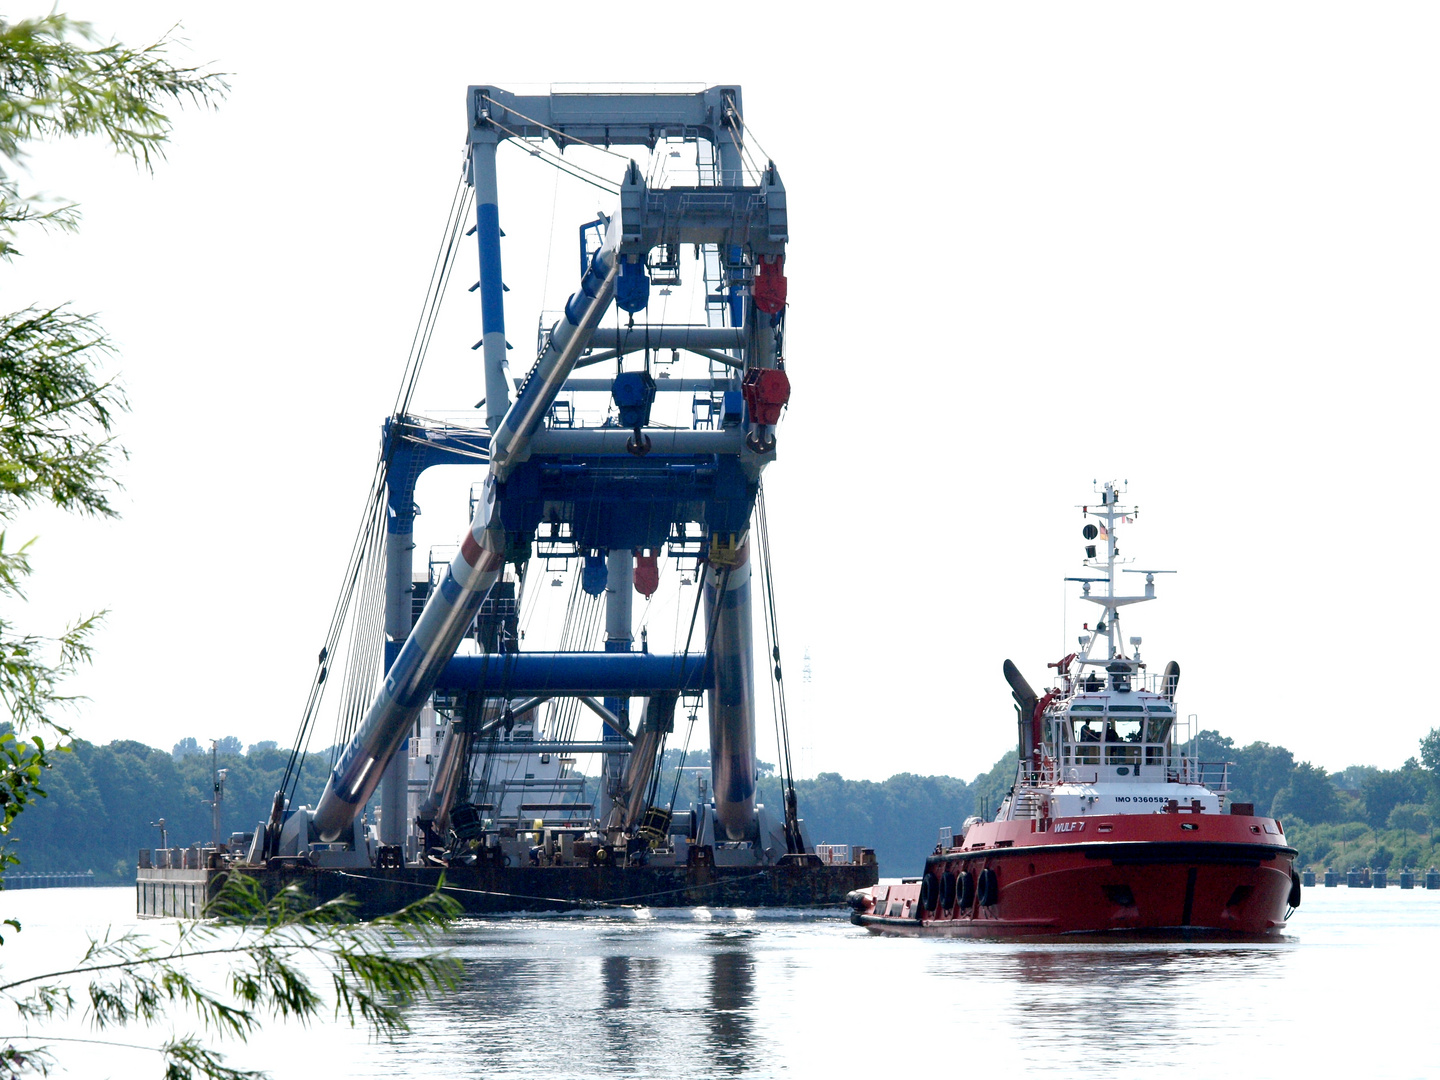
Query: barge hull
[(493, 890)]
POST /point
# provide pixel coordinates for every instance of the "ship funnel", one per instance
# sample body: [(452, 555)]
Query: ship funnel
[(1025, 704), (1172, 680), (1025, 698)]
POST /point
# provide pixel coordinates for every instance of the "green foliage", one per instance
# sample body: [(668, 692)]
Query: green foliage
[(56, 417), (900, 817), (52, 85), (32, 671), (1353, 844), (1308, 795), (1409, 817), (1351, 831), (1212, 746), (990, 788), (1430, 751), (270, 946), (1260, 771), (56, 411), (1353, 777), (127, 785), (22, 766), (1383, 790)]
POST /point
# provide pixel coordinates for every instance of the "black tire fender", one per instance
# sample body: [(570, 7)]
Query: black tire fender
[(929, 893), (988, 888), (965, 890)]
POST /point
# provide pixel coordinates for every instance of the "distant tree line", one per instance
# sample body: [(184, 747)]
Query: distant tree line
[(1360, 816), (102, 799)]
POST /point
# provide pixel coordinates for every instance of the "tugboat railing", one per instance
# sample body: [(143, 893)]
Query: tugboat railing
[(1213, 775)]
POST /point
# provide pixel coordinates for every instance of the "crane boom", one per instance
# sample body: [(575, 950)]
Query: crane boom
[(451, 609)]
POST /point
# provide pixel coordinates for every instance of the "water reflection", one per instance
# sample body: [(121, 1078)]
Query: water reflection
[(1112, 999), (732, 987), (615, 976), (1145, 969), (684, 997), (595, 998)]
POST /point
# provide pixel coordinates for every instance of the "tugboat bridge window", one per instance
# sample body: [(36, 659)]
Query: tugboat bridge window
[(1120, 736)]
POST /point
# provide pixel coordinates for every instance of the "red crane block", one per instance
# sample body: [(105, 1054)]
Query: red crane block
[(770, 284), (767, 392), (647, 571)]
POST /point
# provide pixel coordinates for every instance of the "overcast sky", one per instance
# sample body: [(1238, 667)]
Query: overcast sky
[(1032, 246)]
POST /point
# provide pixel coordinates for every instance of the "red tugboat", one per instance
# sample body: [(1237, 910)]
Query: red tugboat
[(1112, 824)]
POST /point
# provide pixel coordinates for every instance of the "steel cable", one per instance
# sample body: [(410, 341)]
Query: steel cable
[(354, 577)]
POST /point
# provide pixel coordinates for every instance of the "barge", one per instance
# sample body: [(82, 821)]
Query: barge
[(464, 682)]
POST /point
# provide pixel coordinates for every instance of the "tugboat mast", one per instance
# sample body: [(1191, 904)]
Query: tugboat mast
[(1111, 513)]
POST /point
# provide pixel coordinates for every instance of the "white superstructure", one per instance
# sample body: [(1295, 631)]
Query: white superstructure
[(1107, 739)]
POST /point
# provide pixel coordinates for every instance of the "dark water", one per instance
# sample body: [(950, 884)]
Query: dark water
[(761, 994)]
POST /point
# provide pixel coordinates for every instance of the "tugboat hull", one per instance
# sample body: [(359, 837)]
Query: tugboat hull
[(1226, 886)]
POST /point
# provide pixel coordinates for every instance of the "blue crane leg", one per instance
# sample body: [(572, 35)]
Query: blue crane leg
[(732, 697), (492, 283)]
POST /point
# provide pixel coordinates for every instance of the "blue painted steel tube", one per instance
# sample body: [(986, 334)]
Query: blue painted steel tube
[(448, 614), (492, 284), (587, 674), (569, 338), (731, 697), (452, 607), (399, 566)]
